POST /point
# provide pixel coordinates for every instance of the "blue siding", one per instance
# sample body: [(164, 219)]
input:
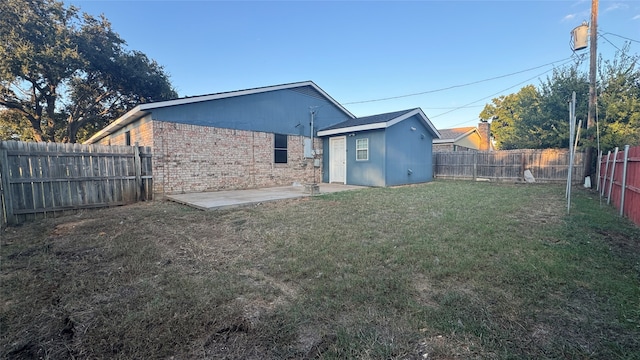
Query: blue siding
[(408, 150), (325, 159), (281, 111), (369, 172)]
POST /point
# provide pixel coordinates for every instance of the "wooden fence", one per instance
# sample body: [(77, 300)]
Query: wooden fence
[(546, 165), (43, 179), (619, 180)]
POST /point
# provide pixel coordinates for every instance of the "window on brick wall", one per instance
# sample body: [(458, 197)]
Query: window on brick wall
[(127, 138), (280, 148)]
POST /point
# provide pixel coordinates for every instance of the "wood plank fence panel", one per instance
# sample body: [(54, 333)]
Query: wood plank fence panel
[(44, 179), (612, 177), (546, 165)]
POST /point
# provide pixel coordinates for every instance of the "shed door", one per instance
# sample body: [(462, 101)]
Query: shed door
[(338, 160)]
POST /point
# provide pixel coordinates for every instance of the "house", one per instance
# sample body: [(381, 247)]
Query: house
[(268, 136), (233, 140), (464, 139), (380, 150)]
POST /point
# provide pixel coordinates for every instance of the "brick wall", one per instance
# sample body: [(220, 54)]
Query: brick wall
[(450, 147), (442, 147), (189, 158), (484, 129), (141, 133)]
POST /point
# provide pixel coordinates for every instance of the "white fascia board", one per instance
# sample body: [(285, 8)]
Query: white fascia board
[(460, 137), (375, 126), (429, 124), (383, 125), (231, 94), (337, 104), (465, 134), (140, 110), (424, 117), (124, 120)]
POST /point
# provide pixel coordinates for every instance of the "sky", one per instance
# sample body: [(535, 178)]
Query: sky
[(449, 58)]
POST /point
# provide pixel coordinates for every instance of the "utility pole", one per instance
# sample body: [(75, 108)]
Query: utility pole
[(593, 59)]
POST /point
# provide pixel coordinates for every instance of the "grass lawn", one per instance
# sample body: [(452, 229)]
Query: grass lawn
[(442, 270)]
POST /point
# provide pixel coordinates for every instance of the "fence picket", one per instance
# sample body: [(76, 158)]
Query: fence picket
[(43, 179), (548, 165), (625, 193)]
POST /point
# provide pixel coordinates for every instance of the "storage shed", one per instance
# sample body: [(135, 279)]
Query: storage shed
[(380, 150)]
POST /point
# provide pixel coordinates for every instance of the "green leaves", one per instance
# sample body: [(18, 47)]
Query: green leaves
[(538, 117), (67, 74)]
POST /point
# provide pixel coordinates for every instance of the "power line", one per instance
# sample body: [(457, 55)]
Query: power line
[(450, 107), (604, 37), (499, 92), (462, 123), (620, 36), (454, 86)]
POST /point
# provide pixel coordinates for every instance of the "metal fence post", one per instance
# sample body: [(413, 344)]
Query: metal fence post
[(606, 171), (613, 170), (624, 178), (598, 170)]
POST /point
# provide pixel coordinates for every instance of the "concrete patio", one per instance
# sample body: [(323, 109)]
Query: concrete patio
[(232, 198)]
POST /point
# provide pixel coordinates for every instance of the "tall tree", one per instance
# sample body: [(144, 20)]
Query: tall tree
[(619, 100), (556, 92), (503, 120), (539, 117), (69, 74), (516, 120)]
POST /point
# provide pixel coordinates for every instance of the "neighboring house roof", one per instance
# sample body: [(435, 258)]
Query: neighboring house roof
[(144, 109), (455, 134), (380, 121)]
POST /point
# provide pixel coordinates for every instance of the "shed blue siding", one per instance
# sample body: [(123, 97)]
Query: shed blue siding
[(368, 172), (408, 151), (280, 111), (325, 159)]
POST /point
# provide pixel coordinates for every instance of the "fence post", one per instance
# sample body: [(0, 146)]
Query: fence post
[(613, 170), (7, 200), (138, 166), (598, 170), (624, 178), (475, 165), (522, 165), (606, 171)]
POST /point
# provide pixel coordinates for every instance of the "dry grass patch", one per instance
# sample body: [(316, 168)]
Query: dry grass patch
[(440, 271)]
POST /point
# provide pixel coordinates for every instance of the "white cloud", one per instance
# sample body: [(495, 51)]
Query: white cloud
[(569, 17), (637, 17), (616, 6)]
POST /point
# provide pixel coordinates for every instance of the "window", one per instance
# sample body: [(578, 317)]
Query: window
[(362, 149), (127, 138), (280, 149)]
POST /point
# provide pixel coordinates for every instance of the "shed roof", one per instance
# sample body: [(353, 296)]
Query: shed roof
[(144, 109), (380, 121)]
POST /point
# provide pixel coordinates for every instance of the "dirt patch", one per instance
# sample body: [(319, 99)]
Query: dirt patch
[(448, 347), (66, 228), (620, 243), (161, 280), (425, 291), (543, 210)]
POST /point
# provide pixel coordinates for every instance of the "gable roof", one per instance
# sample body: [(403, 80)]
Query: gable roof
[(144, 109), (454, 134), (380, 121)]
